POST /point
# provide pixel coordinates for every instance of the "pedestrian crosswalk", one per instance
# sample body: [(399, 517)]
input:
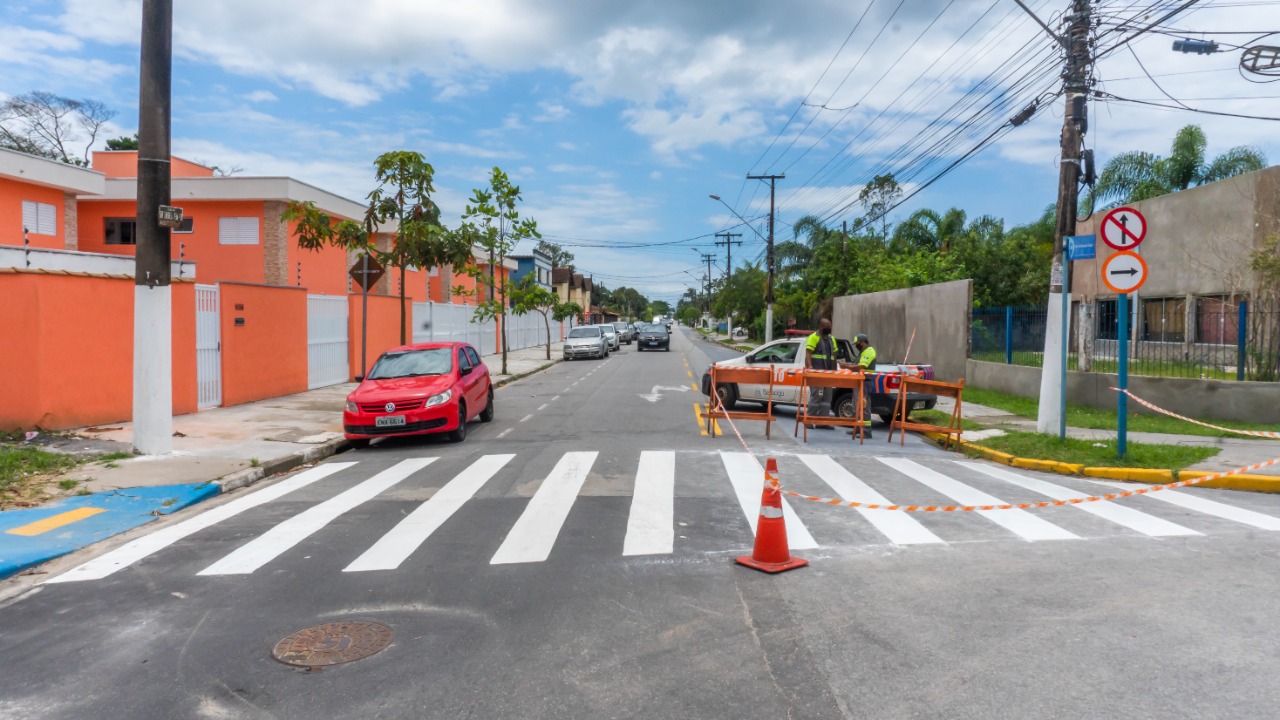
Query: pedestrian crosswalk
[(674, 496)]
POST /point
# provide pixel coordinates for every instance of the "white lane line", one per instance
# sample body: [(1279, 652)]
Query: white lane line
[(1020, 522), (526, 418), (504, 433), (651, 525), (147, 545), (748, 481), (271, 544), (1120, 514), (408, 535), (555, 398), (899, 527), (541, 407), (534, 533), (1207, 506)]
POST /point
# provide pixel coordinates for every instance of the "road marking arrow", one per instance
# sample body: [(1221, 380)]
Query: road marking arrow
[(655, 395)]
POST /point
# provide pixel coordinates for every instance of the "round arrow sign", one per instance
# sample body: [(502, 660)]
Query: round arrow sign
[(1123, 228), (1124, 272)]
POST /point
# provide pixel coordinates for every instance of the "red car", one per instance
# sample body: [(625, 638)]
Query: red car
[(420, 389)]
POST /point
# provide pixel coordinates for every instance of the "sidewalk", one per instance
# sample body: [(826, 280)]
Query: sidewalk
[(1233, 452), (213, 451)]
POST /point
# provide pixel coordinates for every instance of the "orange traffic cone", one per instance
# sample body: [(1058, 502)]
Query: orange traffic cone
[(771, 553)]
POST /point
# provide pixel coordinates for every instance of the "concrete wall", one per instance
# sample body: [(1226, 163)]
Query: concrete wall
[(1198, 240), (938, 314), (1200, 399)]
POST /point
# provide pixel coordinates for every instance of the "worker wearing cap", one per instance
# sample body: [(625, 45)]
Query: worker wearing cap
[(820, 354), (866, 363)]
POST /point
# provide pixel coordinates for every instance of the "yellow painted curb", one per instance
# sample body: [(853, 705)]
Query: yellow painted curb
[(1048, 465), (1251, 483), (1135, 474)]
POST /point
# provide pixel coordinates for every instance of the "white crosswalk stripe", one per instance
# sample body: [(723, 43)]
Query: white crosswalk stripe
[(899, 527), (1120, 514), (748, 484), (1021, 522), (656, 493), (651, 524), (270, 545), (534, 534), (147, 545), (1208, 507), (398, 544)]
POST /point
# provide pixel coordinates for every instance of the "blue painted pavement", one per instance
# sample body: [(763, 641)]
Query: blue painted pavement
[(121, 510)]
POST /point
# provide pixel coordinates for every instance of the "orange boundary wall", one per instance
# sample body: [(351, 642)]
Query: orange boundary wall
[(266, 355), (67, 356), (384, 328)]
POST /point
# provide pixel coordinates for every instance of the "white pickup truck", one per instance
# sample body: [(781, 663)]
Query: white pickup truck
[(882, 384)]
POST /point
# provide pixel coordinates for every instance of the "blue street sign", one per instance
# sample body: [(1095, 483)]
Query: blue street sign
[(1081, 247)]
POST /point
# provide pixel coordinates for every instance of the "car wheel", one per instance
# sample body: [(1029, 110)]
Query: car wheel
[(460, 433), (639, 348), (359, 443), (885, 418), (844, 406), (486, 415), (728, 396)]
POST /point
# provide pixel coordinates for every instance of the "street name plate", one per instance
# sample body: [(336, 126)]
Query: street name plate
[(367, 279), (170, 216)]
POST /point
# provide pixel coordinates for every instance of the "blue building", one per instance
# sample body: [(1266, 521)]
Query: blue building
[(538, 264)]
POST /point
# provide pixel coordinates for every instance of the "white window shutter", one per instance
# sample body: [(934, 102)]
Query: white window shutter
[(238, 231), (48, 219), (30, 216)]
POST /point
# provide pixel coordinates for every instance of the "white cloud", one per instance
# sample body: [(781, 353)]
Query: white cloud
[(551, 112), (260, 96)]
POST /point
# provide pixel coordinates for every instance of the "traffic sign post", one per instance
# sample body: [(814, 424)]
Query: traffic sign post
[(1124, 272), (366, 272)]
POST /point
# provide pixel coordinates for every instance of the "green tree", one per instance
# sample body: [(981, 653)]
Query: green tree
[(1138, 175), (656, 308), (124, 142), (688, 315), (742, 293), (493, 222), (878, 197), (528, 296), (928, 231), (559, 256)]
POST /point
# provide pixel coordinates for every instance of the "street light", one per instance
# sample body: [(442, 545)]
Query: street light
[(768, 317)]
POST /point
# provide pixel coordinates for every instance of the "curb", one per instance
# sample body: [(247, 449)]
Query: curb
[(249, 476), (1250, 483), (521, 376)]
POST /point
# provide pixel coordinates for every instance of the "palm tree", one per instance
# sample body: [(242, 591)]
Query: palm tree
[(1134, 176), (929, 230)]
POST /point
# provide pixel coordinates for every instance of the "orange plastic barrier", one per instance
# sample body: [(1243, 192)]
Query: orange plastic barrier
[(936, 387), (749, 375), (850, 379)]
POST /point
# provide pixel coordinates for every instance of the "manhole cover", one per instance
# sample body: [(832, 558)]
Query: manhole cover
[(332, 644)]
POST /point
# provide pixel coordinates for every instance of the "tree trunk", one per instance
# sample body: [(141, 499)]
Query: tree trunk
[(547, 321), (402, 312), (503, 307)]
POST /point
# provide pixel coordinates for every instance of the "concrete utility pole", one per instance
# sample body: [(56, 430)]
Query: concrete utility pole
[(1076, 73), (708, 258), (768, 293), (152, 298)]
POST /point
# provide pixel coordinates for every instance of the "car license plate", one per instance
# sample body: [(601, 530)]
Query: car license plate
[(389, 421), (917, 405)]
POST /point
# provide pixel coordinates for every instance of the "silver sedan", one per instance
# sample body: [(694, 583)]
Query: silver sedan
[(588, 341)]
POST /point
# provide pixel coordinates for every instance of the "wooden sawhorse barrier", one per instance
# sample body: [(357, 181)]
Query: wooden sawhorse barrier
[(936, 387), (832, 379), (731, 374)]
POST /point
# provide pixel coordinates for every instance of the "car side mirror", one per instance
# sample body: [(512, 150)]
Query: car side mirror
[(359, 378)]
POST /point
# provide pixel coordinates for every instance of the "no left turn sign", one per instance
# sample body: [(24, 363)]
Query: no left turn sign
[(1124, 272), (1123, 228)]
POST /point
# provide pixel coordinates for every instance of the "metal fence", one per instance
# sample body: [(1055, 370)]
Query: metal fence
[(447, 322), (1218, 338)]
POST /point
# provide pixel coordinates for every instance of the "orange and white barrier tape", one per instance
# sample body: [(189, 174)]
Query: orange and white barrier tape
[(1201, 423), (1027, 506)]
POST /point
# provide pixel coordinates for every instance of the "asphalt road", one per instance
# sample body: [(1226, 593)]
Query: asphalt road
[(574, 559)]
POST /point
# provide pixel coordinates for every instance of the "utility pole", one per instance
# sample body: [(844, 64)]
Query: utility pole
[(708, 258), (1076, 76), (768, 293), (152, 294), (728, 244)]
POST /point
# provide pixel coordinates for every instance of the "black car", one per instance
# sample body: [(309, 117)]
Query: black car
[(653, 337)]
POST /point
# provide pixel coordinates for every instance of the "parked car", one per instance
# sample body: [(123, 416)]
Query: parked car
[(611, 332), (652, 337), (420, 389), (624, 335), (882, 386), (587, 341)]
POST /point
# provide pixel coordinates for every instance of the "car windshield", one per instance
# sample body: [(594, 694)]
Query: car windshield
[(584, 332), (609, 329), (413, 363), (660, 329)]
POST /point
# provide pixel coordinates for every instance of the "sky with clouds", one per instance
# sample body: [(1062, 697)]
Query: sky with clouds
[(618, 120)]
